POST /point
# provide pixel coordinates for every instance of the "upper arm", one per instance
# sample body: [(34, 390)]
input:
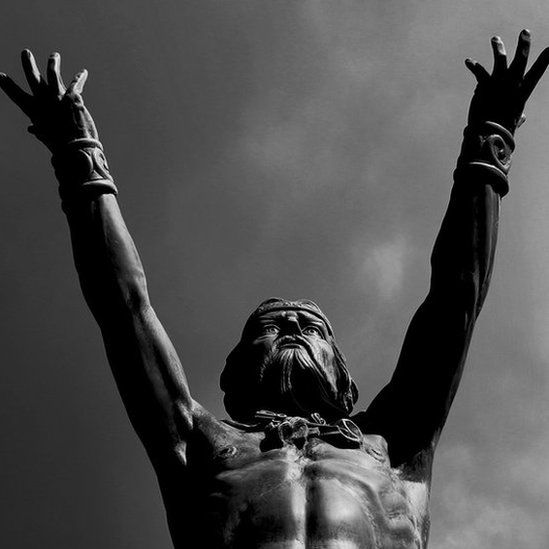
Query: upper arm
[(412, 408), (150, 378)]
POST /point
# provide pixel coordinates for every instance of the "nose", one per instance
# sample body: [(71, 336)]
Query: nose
[(291, 326)]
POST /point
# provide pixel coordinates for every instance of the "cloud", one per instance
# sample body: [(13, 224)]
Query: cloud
[(469, 515), (384, 266), (488, 523)]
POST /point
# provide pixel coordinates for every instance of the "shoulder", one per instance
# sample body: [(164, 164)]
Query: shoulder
[(209, 431)]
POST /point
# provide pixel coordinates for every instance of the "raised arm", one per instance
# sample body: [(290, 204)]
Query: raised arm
[(145, 365), (412, 408)]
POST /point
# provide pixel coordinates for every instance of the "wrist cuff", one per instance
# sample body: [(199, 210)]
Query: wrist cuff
[(487, 150), (82, 170)]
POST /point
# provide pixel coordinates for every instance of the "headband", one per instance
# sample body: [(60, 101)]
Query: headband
[(278, 304)]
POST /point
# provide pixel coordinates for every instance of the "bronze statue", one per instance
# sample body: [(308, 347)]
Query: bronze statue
[(292, 468)]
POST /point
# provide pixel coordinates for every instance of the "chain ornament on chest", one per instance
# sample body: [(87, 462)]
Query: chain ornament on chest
[(282, 430)]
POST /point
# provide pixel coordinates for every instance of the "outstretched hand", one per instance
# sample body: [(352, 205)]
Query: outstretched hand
[(57, 112), (501, 96)]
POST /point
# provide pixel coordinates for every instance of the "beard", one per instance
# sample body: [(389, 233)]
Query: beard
[(295, 380)]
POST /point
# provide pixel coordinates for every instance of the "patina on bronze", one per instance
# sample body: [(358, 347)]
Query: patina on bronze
[(292, 468)]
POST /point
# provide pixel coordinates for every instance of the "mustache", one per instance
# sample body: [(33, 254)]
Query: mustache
[(294, 340)]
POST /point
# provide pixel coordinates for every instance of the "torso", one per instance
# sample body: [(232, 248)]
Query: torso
[(317, 496)]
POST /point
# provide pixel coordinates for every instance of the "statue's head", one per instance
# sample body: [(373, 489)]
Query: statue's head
[(287, 361)]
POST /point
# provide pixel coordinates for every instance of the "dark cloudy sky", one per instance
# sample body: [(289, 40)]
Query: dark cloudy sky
[(298, 149)]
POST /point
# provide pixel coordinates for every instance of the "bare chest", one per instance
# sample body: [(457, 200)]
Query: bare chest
[(314, 496)]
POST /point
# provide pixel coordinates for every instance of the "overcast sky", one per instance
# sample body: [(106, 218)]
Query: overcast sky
[(268, 148)]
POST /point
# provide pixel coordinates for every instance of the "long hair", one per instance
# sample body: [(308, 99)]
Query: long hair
[(240, 379)]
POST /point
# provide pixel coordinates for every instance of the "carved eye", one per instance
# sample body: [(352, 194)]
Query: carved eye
[(271, 329), (312, 331)]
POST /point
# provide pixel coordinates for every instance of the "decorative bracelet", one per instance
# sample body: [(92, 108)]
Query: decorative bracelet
[(487, 147), (82, 170)]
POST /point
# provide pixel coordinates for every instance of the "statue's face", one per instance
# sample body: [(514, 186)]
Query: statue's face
[(297, 370), (287, 361)]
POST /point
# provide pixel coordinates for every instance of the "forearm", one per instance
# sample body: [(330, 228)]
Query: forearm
[(110, 271), (109, 268), (464, 250), (463, 255)]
